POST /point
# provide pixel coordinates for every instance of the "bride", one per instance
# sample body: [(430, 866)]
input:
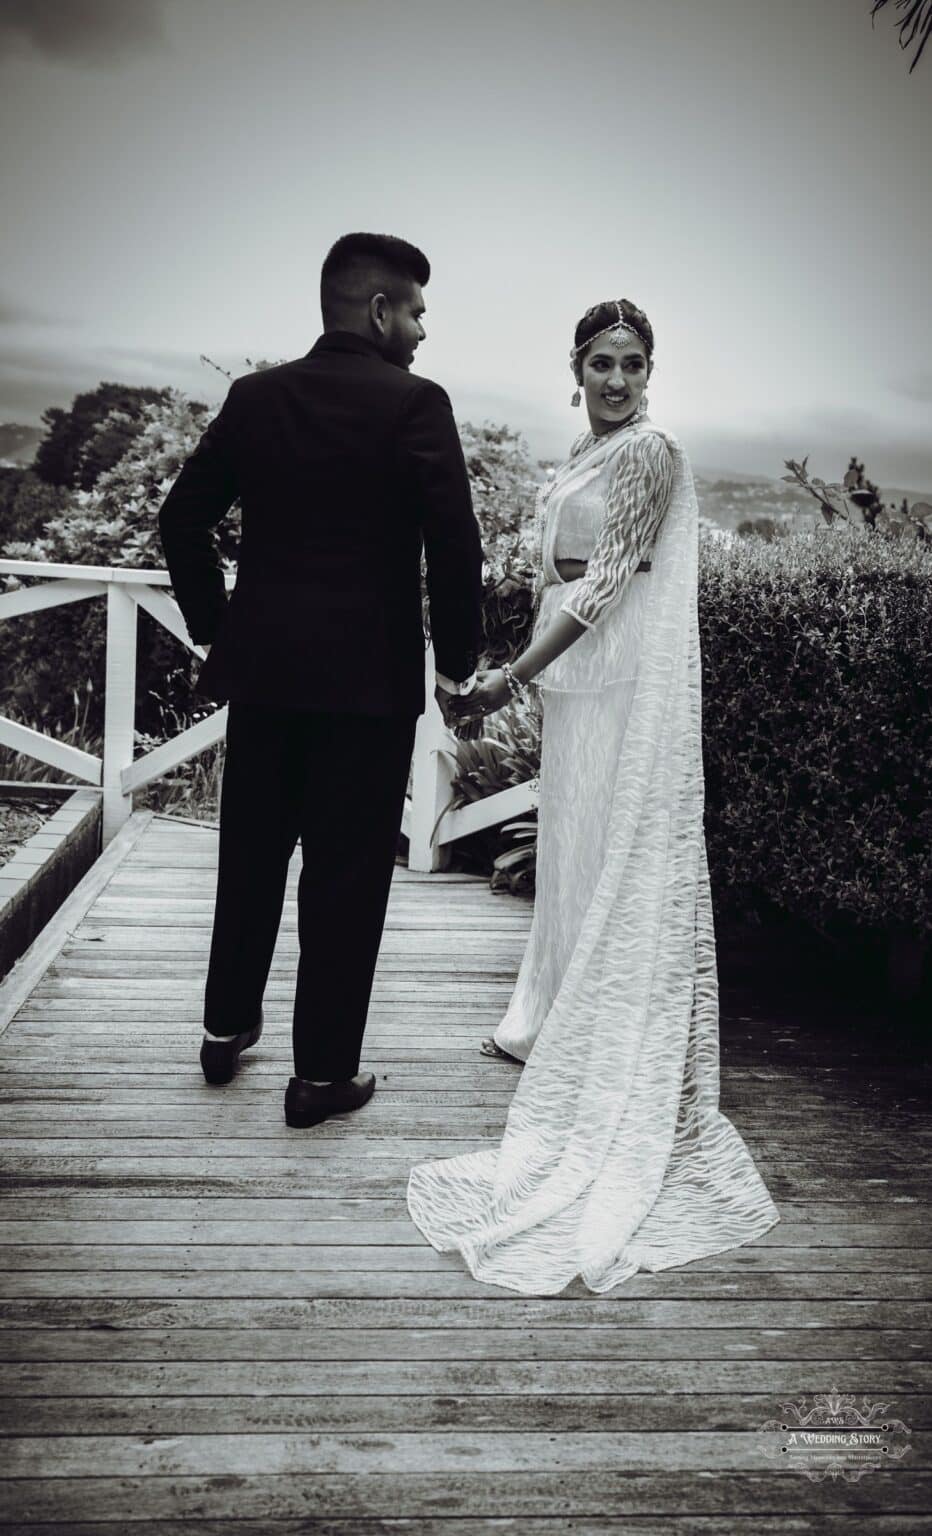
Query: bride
[(615, 1156)]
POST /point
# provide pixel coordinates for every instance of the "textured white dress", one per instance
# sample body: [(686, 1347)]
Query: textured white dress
[(615, 1156)]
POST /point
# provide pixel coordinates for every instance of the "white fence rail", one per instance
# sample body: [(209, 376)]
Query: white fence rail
[(428, 825)]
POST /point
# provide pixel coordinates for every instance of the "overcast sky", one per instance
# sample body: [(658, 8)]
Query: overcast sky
[(754, 174)]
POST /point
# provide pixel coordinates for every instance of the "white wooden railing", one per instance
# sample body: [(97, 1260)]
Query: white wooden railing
[(429, 827)]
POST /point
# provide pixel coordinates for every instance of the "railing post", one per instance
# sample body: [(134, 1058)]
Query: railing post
[(432, 778), (119, 707)]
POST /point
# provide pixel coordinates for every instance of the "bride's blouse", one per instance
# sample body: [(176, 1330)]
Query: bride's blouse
[(613, 525)]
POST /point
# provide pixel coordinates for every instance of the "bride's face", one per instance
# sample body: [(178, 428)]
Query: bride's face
[(613, 379)]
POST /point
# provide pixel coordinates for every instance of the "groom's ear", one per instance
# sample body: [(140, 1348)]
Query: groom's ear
[(379, 308)]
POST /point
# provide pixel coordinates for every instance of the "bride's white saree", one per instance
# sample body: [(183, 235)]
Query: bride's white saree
[(615, 1156)]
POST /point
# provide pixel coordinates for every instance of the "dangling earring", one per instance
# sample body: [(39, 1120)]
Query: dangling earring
[(576, 399)]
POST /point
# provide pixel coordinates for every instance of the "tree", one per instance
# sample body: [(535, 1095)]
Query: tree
[(917, 22), (115, 522), (26, 504), (93, 435), (863, 492)]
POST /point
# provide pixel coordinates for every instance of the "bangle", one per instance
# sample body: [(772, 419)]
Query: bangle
[(515, 686)]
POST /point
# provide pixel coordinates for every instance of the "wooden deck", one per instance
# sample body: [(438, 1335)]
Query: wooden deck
[(212, 1322)]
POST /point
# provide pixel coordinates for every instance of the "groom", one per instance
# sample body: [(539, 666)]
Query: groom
[(346, 465)]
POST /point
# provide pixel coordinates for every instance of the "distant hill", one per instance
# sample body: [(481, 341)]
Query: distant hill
[(729, 498), (18, 444)]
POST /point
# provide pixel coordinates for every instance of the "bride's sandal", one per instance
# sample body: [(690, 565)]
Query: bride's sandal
[(489, 1048)]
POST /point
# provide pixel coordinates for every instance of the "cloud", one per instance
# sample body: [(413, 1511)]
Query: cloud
[(915, 386), (13, 313), (33, 377), (82, 32)]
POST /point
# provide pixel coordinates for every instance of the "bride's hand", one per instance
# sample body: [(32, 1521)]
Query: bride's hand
[(489, 694)]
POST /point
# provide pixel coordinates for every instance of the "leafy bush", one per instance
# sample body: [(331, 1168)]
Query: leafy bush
[(817, 675), (26, 503), (507, 754), (115, 523), (817, 652), (504, 488)]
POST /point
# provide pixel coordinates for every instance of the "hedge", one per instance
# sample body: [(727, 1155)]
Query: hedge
[(817, 679)]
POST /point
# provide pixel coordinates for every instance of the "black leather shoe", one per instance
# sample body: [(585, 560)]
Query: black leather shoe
[(306, 1104), (220, 1058)]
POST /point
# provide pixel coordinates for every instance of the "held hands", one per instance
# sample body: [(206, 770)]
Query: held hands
[(463, 713), (452, 709), (490, 693)]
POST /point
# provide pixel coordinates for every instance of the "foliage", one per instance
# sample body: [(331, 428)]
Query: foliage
[(766, 528), (916, 22), (506, 754), (816, 687), (115, 523), (504, 488), (26, 504), (837, 499), (515, 869), (817, 677), (93, 435)]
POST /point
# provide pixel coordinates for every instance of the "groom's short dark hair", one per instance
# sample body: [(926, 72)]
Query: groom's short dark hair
[(359, 265)]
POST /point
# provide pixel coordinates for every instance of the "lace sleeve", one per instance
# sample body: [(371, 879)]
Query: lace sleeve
[(635, 505)]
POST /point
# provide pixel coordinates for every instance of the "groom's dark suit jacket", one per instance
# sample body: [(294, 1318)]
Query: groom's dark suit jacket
[(345, 466)]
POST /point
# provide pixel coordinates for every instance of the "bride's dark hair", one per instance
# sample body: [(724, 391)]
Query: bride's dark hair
[(603, 315)]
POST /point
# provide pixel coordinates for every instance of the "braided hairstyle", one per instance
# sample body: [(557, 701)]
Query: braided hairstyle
[(603, 315)]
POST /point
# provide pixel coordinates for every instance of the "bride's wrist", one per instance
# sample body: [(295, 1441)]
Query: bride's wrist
[(521, 672)]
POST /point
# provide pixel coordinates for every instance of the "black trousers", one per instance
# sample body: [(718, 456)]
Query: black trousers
[(338, 781)]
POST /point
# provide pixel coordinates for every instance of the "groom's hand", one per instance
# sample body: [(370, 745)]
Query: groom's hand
[(452, 707)]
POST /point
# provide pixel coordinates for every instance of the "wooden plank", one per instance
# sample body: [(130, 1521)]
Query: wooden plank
[(443, 1281), (371, 1133), (160, 1413), (50, 750), (108, 1261), (48, 568), (730, 1379), (49, 594), (501, 1450), (399, 1081), (178, 749), (521, 1495), (549, 1314), (272, 1291), (620, 1343), (426, 1525), (107, 1176), (242, 1115), (359, 1225), (31, 967), (282, 1213)]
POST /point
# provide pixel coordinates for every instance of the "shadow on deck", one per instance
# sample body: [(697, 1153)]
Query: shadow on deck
[(209, 1319)]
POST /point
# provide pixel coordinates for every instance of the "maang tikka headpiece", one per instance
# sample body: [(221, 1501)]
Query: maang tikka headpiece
[(620, 331)]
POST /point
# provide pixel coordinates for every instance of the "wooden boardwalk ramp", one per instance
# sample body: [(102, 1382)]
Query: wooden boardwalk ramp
[(213, 1323)]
